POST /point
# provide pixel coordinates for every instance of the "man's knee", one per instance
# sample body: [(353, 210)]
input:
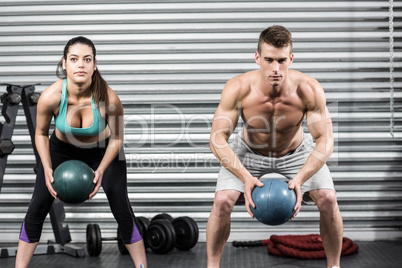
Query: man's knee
[(224, 202), (325, 199)]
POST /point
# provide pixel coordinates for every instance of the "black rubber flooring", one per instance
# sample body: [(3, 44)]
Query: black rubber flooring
[(379, 254)]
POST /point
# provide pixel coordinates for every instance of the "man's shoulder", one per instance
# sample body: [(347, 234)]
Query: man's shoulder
[(241, 84), (308, 89), (301, 78), (245, 79), (304, 82)]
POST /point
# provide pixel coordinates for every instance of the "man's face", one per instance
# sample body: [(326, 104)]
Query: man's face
[(274, 63)]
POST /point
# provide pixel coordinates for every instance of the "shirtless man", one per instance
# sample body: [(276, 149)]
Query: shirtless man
[(273, 102)]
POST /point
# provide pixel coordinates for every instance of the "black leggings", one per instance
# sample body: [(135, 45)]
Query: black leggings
[(114, 184)]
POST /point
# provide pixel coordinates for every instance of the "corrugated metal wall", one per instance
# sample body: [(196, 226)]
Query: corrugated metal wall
[(169, 60)]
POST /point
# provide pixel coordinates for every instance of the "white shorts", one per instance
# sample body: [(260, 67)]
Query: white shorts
[(288, 166)]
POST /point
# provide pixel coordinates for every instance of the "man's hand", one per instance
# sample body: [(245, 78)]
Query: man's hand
[(295, 185), (248, 189)]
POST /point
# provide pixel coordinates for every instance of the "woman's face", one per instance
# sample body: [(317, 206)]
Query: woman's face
[(80, 64)]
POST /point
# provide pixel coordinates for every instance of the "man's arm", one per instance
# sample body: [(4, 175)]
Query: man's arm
[(319, 124), (224, 122)]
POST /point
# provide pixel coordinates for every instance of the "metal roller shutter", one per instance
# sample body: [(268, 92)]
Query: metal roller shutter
[(169, 60)]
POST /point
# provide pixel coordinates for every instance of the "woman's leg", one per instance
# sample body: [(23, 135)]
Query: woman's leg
[(39, 205), (137, 253), (24, 254), (32, 225), (114, 183)]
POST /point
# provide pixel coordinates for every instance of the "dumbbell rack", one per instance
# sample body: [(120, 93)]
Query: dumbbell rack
[(29, 98)]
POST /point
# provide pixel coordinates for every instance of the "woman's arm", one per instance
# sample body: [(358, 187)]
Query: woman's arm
[(115, 118), (47, 105)]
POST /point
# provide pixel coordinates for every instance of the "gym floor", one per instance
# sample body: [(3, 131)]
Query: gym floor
[(387, 254)]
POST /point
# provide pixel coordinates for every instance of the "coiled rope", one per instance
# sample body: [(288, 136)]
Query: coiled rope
[(298, 246)]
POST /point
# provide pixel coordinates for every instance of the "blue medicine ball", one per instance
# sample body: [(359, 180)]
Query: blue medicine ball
[(274, 202)]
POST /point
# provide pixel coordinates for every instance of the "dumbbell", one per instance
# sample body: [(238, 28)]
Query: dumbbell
[(94, 237), (161, 234), (164, 233), (6, 147), (13, 97)]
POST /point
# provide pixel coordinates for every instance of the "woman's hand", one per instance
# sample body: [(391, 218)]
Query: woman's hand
[(49, 180), (97, 182)]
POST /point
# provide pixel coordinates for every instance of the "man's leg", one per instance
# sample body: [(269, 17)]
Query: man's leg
[(331, 224), (218, 227)]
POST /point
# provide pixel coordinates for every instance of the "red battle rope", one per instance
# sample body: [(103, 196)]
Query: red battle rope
[(299, 246)]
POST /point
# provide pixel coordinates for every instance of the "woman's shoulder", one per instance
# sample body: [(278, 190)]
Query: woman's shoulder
[(52, 95), (114, 103), (54, 88), (113, 98)]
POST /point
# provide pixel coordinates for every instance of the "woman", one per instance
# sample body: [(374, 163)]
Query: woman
[(89, 127)]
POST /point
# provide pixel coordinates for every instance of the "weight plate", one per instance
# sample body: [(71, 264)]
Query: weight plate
[(94, 240), (163, 216), (186, 230), (161, 236)]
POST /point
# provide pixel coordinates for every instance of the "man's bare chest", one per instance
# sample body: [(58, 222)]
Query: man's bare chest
[(264, 114)]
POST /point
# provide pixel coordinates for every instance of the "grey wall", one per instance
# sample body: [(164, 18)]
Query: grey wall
[(169, 61)]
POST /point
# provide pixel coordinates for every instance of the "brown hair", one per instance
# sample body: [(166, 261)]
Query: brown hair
[(98, 86), (277, 36)]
